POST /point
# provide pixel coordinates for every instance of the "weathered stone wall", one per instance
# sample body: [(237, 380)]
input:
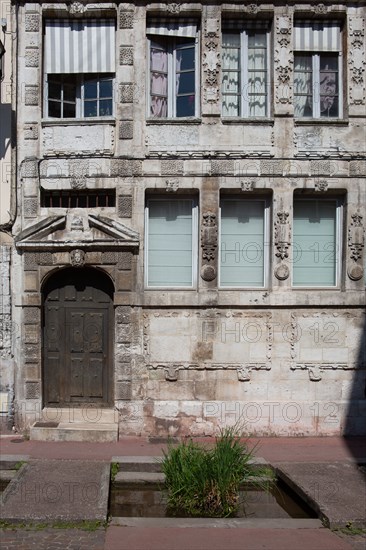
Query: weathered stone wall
[(283, 360)]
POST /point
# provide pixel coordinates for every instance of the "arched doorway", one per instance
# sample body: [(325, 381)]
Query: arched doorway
[(78, 338)]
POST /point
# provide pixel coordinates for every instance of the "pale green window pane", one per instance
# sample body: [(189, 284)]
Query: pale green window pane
[(170, 243), (315, 253), (242, 243)]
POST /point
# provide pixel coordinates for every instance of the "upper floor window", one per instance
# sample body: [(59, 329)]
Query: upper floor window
[(316, 242), (317, 70), (245, 78), (79, 67), (171, 242), (244, 238), (173, 60)]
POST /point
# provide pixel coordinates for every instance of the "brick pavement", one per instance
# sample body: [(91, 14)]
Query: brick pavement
[(51, 539)]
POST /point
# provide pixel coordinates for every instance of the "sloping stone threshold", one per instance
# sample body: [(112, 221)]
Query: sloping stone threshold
[(89, 425)]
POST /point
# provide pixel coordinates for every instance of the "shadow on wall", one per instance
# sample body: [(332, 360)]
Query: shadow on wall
[(5, 129), (356, 411)]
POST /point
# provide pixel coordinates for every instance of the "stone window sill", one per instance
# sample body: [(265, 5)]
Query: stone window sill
[(78, 121), (179, 120)]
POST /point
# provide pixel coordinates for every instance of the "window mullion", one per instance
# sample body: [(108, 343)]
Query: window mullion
[(172, 100), (316, 85), (244, 75)]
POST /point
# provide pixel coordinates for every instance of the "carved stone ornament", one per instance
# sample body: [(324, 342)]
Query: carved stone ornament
[(282, 271), (356, 240), (247, 185), (209, 236), (78, 182), (284, 74), (171, 185), (77, 258), (77, 8), (320, 9), (173, 9), (355, 272), (208, 273), (282, 235), (321, 186), (253, 9), (77, 224), (357, 63)]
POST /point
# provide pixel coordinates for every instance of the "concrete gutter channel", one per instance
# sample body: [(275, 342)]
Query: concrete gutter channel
[(336, 491)]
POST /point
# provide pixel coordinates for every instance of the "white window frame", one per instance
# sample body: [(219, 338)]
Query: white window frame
[(315, 87), (79, 103), (244, 75), (194, 202), (339, 243), (266, 241), (173, 42)]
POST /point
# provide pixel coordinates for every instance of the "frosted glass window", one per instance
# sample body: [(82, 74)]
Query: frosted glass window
[(242, 243), (170, 242), (245, 73), (315, 243)]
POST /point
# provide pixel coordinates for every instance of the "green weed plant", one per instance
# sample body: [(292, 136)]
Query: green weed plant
[(202, 482)]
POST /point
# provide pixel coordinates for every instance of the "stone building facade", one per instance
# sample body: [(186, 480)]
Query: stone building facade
[(189, 246), (7, 214)]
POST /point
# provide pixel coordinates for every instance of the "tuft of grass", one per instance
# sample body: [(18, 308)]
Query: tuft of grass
[(203, 482), (114, 470), (19, 464)]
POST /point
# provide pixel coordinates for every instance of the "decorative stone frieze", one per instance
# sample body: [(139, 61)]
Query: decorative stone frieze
[(126, 19), (357, 61), (31, 353), (30, 261), (209, 245), (124, 207), (77, 258), (109, 257), (171, 370), (126, 92), (125, 129), (32, 389), (320, 167), (30, 130), (282, 233), (29, 169), (124, 262), (316, 370), (31, 95), (31, 315), (126, 167), (32, 22), (211, 60), (171, 167), (123, 391), (123, 315), (30, 207), (356, 244), (283, 61), (272, 167), (45, 258), (126, 55), (31, 57)]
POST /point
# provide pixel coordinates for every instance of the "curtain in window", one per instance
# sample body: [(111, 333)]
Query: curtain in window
[(303, 86), (80, 46), (257, 72), (159, 81), (242, 243), (170, 243), (231, 75), (315, 252)]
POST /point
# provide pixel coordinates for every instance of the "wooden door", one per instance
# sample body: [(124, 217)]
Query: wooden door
[(77, 329)]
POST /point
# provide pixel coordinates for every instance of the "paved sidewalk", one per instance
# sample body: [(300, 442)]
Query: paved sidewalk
[(274, 450)]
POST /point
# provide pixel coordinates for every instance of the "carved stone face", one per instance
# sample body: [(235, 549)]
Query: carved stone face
[(77, 258)]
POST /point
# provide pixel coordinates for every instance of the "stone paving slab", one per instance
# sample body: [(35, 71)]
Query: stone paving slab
[(219, 523), (336, 491), (130, 538), (57, 490), (139, 477)]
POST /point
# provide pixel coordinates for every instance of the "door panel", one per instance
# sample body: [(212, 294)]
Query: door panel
[(77, 363)]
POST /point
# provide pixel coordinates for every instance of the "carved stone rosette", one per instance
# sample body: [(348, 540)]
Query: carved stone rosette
[(211, 60), (283, 59), (209, 246), (357, 63), (356, 244), (282, 234)]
